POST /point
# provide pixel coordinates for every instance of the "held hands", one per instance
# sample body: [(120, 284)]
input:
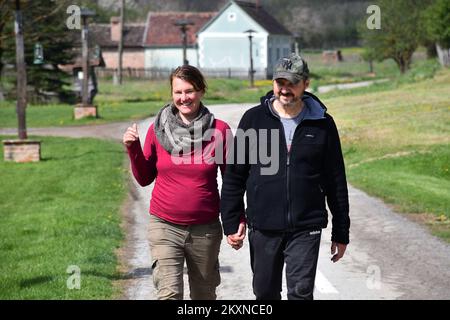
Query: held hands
[(131, 135), (237, 240), (340, 251)]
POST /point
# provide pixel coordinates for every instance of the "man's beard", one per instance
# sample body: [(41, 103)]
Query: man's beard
[(292, 103)]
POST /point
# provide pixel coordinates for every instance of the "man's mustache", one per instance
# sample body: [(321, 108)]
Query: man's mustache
[(285, 94)]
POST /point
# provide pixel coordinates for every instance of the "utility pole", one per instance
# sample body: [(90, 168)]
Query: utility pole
[(251, 71), (21, 150), (183, 27), (120, 53), (21, 73), (85, 60)]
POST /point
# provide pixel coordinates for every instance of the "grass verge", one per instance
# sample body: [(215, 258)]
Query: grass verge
[(396, 145), (63, 211)]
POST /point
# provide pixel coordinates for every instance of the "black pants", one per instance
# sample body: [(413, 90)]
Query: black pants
[(268, 253)]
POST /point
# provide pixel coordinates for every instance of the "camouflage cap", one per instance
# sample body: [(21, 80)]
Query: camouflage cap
[(293, 68)]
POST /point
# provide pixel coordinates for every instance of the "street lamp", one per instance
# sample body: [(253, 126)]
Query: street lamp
[(183, 27), (251, 71), (85, 108)]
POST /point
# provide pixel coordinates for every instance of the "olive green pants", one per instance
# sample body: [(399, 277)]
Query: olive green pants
[(171, 245)]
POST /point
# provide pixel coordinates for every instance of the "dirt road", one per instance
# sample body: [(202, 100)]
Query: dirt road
[(389, 256)]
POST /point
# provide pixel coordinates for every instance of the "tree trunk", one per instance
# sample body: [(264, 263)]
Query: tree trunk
[(444, 55), (2, 96), (401, 64), (404, 62), (431, 50), (120, 49), (2, 25)]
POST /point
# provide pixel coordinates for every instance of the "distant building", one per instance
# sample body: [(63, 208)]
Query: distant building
[(216, 41), (163, 39), (107, 37), (222, 42)]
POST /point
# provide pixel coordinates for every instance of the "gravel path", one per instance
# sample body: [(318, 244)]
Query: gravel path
[(344, 86), (389, 256)]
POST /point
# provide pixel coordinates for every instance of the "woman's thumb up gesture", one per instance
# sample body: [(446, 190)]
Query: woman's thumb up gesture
[(131, 135)]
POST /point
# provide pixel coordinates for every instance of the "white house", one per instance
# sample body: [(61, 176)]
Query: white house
[(216, 41), (163, 39), (224, 44)]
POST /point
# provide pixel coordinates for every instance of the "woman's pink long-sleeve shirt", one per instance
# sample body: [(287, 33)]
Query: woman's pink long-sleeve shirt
[(184, 193)]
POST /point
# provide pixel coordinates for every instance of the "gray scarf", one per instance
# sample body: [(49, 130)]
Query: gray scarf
[(175, 136)]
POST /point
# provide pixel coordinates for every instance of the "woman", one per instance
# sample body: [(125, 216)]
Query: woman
[(184, 209)]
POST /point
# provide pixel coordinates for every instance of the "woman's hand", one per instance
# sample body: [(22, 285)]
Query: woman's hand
[(237, 240), (131, 135)]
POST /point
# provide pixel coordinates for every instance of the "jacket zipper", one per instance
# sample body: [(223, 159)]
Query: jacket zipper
[(288, 189), (288, 163)]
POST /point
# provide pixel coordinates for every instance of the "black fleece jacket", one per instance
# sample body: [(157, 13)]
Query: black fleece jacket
[(293, 196)]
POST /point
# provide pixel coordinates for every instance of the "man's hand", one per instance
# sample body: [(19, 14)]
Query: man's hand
[(340, 251), (131, 135), (237, 240)]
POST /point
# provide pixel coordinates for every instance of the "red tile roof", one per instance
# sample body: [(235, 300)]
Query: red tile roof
[(162, 32)]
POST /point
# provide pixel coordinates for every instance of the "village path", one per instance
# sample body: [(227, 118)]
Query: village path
[(389, 256), (345, 86)]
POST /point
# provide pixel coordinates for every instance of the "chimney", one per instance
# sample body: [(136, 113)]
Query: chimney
[(115, 29)]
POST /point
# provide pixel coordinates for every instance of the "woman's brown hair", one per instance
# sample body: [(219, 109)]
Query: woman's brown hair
[(190, 74)]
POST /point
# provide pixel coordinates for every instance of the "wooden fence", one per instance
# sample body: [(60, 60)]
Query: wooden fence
[(164, 73)]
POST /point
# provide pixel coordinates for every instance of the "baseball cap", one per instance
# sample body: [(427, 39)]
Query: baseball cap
[(293, 68)]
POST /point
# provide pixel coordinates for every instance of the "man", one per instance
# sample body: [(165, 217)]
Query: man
[(286, 209)]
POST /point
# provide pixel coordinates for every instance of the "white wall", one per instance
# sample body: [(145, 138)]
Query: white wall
[(169, 57)]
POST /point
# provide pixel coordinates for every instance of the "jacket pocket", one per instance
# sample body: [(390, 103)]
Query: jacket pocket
[(269, 204), (307, 194)]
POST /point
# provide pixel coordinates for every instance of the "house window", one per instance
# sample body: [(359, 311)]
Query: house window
[(257, 52), (232, 16), (278, 53), (285, 52), (270, 54)]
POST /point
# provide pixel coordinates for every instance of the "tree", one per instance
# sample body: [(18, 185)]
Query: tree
[(102, 14), (370, 56), (400, 32), (436, 20), (43, 23)]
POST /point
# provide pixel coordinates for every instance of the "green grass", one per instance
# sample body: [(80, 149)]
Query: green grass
[(134, 100), (218, 91), (235, 91), (423, 175), (354, 69), (396, 145), (62, 115), (138, 99), (351, 69), (62, 211), (420, 70)]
